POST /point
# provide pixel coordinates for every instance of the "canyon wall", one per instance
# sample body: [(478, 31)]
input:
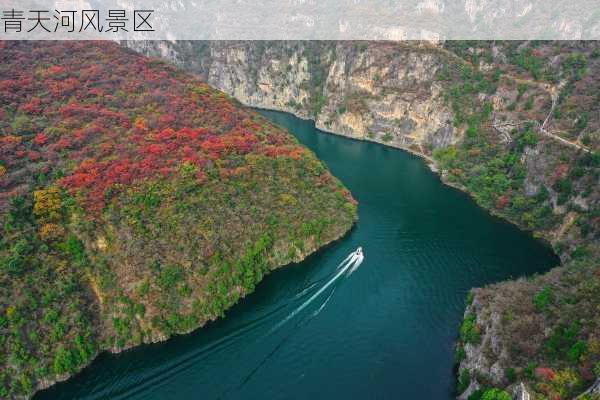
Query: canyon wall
[(383, 92)]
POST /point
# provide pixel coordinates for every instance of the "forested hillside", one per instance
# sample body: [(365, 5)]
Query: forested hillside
[(136, 203)]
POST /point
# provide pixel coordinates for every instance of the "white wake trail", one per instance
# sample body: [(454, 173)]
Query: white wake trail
[(351, 255), (352, 261), (317, 293), (304, 291), (318, 311)]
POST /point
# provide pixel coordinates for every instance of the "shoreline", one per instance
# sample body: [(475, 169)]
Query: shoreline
[(432, 166), (48, 383)]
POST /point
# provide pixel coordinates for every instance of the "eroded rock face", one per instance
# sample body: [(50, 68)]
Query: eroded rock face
[(486, 354), (520, 392), (381, 92)]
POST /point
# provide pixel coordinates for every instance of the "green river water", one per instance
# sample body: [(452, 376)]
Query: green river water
[(384, 332)]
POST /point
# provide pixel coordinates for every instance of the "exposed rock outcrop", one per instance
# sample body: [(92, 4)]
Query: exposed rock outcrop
[(382, 92)]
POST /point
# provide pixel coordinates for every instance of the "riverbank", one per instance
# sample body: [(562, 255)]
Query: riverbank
[(424, 99), (48, 383)]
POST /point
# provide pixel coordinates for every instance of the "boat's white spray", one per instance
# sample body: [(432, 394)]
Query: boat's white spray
[(357, 261), (305, 290)]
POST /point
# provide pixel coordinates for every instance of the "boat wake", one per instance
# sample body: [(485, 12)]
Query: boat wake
[(140, 384), (350, 264), (347, 267)]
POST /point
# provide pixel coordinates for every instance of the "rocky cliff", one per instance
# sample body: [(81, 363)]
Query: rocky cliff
[(381, 92), (515, 124)]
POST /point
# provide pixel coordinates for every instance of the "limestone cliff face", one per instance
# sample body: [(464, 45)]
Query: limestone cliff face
[(370, 91)]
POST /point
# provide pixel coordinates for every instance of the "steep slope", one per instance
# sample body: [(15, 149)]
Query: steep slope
[(384, 92), (515, 124), (136, 203)]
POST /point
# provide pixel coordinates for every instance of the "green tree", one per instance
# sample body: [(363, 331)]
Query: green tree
[(495, 394), (63, 361), (469, 331), (541, 299)]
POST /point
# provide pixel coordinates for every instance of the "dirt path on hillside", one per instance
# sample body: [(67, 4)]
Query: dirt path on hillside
[(552, 90)]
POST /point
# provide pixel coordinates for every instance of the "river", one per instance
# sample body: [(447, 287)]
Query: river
[(384, 332)]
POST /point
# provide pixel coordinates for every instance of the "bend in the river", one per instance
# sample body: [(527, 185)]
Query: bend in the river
[(385, 331)]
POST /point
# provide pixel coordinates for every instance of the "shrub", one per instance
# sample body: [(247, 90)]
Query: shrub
[(544, 373), (476, 395), (510, 374), (22, 125), (74, 248), (445, 156), (26, 384), (575, 65), (530, 370), (566, 383), (542, 298), (529, 62), (15, 262), (495, 394), (49, 232), (521, 88), (576, 351), (469, 298), (528, 138), (444, 73), (582, 122), (63, 361), (581, 251), (564, 187), (469, 331), (529, 103), (542, 194), (472, 128), (169, 276), (597, 370), (561, 340), (585, 140), (459, 354), (47, 204)]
